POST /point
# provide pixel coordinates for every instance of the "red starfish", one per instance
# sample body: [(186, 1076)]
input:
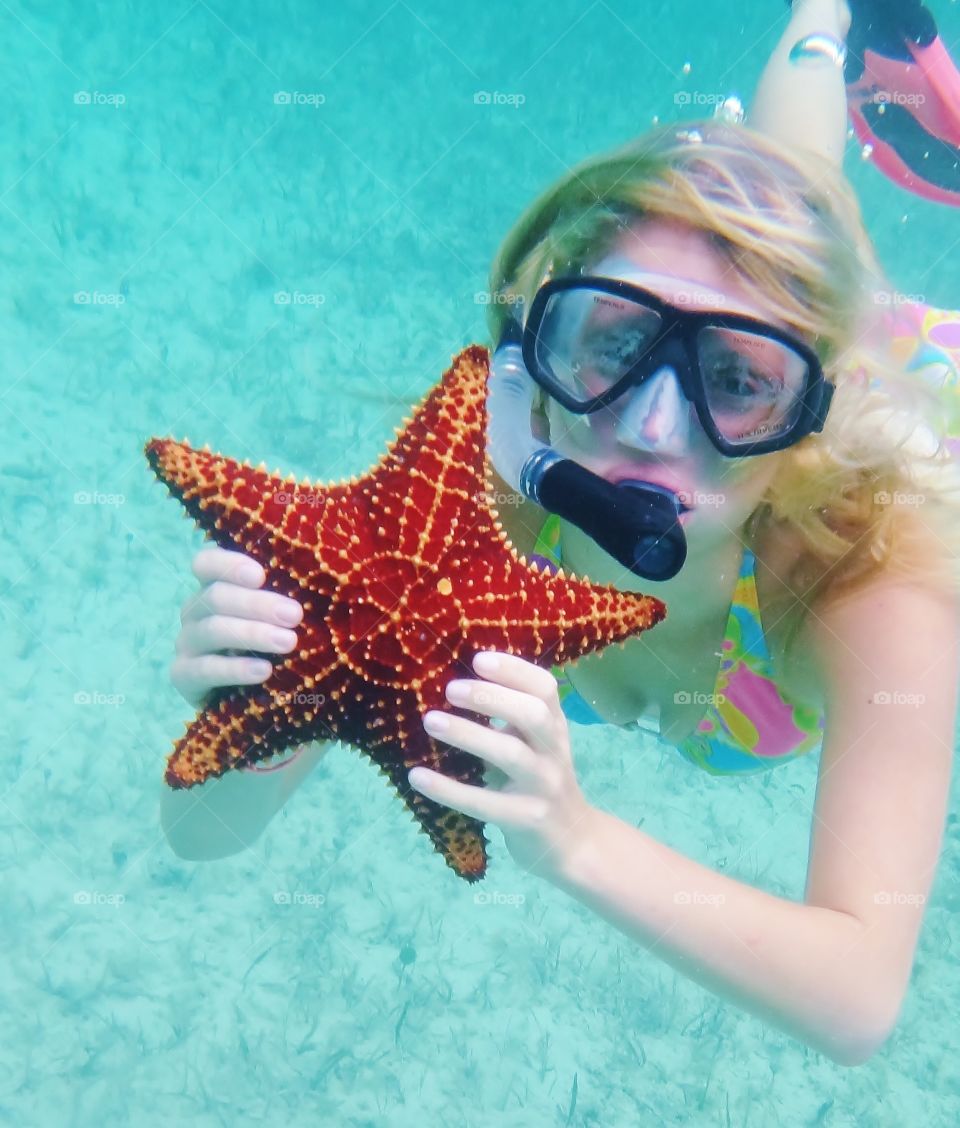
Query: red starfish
[(403, 574)]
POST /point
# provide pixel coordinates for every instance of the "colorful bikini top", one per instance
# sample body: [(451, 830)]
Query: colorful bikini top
[(749, 725)]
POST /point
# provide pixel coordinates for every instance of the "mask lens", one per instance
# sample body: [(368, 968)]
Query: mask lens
[(588, 340), (753, 385)]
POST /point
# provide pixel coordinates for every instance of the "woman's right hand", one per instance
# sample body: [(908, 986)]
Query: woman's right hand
[(229, 613)]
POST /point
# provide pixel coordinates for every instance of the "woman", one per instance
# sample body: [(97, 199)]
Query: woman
[(848, 596)]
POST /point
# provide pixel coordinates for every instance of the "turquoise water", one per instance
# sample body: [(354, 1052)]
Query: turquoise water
[(142, 989)]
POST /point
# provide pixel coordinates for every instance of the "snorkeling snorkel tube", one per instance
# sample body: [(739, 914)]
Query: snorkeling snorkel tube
[(636, 522)]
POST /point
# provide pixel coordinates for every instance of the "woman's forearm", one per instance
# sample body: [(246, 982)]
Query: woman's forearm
[(226, 815), (805, 103), (803, 968)]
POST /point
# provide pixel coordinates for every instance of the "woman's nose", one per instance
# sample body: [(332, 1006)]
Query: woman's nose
[(655, 415)]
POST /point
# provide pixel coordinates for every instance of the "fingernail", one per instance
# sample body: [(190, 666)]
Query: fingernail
[(290, 614), (252, 574), (486, 662), (435, 721)]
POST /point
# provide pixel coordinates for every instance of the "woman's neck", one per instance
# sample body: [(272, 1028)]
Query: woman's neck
[(697, 598)]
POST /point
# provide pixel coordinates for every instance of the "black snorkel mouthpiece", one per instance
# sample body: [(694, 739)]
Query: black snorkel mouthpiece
[(636, 522)]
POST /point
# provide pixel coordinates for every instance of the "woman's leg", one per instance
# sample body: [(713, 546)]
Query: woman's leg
[(804, 103)]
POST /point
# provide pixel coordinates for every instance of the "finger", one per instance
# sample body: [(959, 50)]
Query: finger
[(504, 751), (193, 677), (224, 632), (516, 673), (223, 598), (530, 716), (488, 806), (215, 563)]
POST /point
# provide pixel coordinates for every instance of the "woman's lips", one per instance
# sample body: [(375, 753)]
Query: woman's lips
[(680, 492)]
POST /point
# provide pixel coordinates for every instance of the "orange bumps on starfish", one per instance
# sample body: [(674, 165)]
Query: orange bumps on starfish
[(397, 600)]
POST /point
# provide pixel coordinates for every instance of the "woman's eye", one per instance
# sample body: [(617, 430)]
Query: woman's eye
[(619, 350), (731, 375)]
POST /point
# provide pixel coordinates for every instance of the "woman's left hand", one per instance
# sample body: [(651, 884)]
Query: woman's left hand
[(531, 789)]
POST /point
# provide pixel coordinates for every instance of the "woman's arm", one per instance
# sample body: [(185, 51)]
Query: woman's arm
[(226, 815), (834, 969), (804, 103)]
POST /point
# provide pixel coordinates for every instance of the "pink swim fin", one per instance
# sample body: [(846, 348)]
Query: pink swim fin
[(903, 96), (909, 113)]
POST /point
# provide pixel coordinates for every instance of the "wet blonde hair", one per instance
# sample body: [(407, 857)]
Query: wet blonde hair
[(790, 227)]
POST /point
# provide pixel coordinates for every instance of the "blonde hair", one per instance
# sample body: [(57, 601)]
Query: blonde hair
[(790, 226)]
